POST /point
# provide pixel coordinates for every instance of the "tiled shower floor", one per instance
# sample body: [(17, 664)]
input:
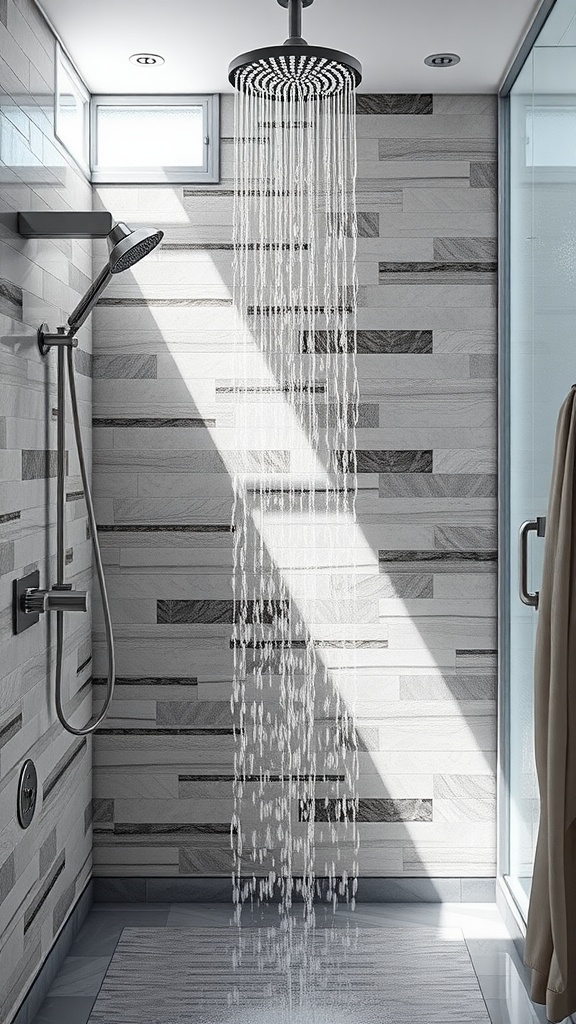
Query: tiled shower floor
[(501, 975)]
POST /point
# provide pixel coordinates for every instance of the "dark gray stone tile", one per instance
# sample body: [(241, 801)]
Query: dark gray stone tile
[(2, 431), (102, 809), (209, 713), (174, 303), (119, 890), (466, 250), (196, 246), (437, 561), (9, 728), (64, 765), (478, 657), (157, 423), (10, 517), (7, 877), (65, 1010), (214, 611), (163, 828), (48, 852), (438, 485), (370, 342), (437, 273), (453, 150), (350, 645), (194, 861), (394, 461), (368, 415), (131, 731), (4, 12), (484, 174), (10, 298), (38, 464), (150, 681), (129, 367), (368, 225), (367, 810), (166, 528), (394, 103), (461, 687)]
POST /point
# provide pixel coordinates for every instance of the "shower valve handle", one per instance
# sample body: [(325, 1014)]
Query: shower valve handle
[(59, 599)]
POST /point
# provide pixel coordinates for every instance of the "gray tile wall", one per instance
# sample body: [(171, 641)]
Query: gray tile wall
[(423, 606), (44, 869)]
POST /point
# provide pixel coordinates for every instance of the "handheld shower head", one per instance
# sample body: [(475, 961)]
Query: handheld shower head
[(128, 246)]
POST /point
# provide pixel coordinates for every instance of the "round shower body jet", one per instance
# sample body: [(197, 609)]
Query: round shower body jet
[(295, 69)]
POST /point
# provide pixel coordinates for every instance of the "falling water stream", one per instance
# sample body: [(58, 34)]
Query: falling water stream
[(294, 831)]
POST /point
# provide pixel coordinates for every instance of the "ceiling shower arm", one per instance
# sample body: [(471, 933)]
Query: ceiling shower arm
[(295, 20), (89, 300)]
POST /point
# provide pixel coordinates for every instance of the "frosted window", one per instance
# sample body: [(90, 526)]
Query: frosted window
[(155, 138), (140, 136)]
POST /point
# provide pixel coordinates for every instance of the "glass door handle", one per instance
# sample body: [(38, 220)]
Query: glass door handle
[(537, 526)]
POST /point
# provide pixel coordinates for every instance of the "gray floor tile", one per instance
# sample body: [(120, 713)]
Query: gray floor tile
[(80, 976), (67, 1010), (101, 930)]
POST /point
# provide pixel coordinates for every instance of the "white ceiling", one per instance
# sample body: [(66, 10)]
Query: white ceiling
[(198, 38)]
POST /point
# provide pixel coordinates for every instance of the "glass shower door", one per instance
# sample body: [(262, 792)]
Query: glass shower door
[(541, 370)]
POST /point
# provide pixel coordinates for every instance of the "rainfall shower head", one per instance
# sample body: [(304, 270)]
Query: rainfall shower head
[(127, 247), (295, 69)]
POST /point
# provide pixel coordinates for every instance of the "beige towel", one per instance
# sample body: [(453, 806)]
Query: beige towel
[(551, 933)]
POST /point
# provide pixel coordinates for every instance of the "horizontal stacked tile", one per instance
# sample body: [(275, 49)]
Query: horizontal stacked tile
[(419, 615), (42, 870)]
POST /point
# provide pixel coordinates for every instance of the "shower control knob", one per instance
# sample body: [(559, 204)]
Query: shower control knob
[(59, 599)]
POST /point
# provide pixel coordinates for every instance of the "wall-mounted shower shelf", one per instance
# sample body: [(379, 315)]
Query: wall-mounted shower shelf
[(75, 224)]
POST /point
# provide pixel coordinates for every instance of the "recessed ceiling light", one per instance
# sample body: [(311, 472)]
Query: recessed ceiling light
[(146, 59), (442, 60)]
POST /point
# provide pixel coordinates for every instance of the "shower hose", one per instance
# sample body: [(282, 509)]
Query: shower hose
[(61, 556)]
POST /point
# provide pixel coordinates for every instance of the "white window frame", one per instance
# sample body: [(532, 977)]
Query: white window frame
[(208, 172), (62, 60)]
